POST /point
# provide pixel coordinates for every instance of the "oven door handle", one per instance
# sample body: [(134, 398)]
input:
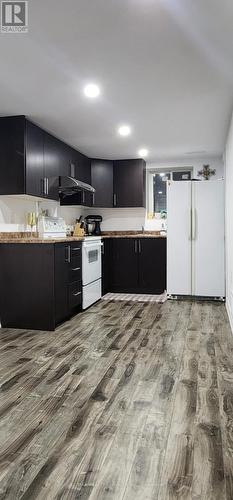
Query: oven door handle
[(92, 246)]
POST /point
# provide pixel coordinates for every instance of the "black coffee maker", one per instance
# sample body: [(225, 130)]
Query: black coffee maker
[(92, 225)]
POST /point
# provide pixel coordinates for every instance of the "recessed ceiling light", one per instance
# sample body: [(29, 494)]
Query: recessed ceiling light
[(143, 152), (160, 192), (92, 90), (124, 130)]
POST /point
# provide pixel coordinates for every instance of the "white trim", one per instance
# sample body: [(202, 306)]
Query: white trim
[(230, 315)]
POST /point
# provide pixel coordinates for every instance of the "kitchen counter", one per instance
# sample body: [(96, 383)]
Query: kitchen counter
[(21, 238), (132, 234), (39, 240)]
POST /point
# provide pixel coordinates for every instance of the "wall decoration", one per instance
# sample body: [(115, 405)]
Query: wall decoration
[(206, 172)]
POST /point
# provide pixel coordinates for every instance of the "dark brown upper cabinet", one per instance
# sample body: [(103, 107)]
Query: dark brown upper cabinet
[(56, 163), (12, 154), (29, 159), (80, 168), (119, 183), (129, 182), (102, 181), (34, 160)]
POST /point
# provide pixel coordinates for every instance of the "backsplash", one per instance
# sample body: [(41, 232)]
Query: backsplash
[(121, 219), (13, 212)]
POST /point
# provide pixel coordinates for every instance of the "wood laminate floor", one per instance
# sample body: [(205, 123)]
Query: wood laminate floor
[(126, 401)]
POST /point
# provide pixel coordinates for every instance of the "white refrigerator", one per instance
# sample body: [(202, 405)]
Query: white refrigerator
[(195, 238)]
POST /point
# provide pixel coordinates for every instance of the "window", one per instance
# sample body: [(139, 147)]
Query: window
[(157, 186)]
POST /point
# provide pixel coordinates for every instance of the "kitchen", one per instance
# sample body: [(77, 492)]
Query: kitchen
[(116, 254)]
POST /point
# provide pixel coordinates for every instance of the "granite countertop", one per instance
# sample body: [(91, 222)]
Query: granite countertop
[(21, 238), (34, 240), (132, 234)]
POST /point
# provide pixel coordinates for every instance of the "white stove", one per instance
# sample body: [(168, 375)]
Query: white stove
[(91, 270), (51, 227)]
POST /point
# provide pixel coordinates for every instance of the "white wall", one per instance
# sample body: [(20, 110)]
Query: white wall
[(196, 163), (229, 223)]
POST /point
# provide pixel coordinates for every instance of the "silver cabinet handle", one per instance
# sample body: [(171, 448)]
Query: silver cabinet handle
[(68, 254), (44, 186), (114, 199), (72, 170), (83, 197), (135, 246), (93, 199), (76, 249), (76, 269), (139, 246), (76, 294), (47, 181)]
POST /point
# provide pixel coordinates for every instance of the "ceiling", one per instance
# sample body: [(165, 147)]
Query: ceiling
[(165, 67)]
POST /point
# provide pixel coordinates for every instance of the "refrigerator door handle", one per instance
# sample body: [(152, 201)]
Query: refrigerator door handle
[(189, 223), (194, 224)]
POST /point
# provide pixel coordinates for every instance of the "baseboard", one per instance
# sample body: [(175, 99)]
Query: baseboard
[(230, 316)]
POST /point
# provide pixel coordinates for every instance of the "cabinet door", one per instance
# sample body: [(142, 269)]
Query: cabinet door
[(102, 181), (75, 262), (54, 158), (67, 159), (83, 173), (62, 269), (129, 183), (107, 266), (35, 178), (80, 168), (124, 265), (27, 286), (152, 265), (68, 275), (12, 154)]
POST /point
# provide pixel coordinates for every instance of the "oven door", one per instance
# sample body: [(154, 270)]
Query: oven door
[(91, 262)]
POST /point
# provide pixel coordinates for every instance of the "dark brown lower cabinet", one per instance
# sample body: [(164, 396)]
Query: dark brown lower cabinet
[(106, 265), (135, 265), (40, 284), (68, 276), (124, 265), (152, 265)]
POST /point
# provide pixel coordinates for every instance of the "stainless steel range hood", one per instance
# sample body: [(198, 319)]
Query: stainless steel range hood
[(69, 185)]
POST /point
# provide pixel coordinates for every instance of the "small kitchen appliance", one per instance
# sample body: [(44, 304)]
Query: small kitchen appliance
[(93, 225), (51, 227)]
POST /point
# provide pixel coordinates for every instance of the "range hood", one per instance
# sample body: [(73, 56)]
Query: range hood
[(69, 186)]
